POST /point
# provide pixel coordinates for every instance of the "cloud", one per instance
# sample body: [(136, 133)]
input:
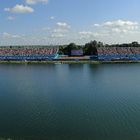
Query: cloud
[(120, 23), (89, 34), (52, 17), (61, 30), (58, 35), (31, 2), (97, 25), (46, 29), (20, 9), (10, 36), (63, 25), (119, 26), (11, 18), (86, 33)]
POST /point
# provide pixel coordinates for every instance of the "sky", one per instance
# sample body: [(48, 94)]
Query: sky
[(51, 22)]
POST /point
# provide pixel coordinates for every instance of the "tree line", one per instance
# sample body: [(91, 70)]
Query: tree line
[(91, 47)]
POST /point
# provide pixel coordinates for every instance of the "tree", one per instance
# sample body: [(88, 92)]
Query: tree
[(135, 44), (91, 48), (68, 48)]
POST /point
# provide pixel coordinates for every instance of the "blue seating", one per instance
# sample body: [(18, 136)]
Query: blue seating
[(28, 54)]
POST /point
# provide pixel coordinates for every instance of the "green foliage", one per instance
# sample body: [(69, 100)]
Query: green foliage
[(67, 49), (91, 48)]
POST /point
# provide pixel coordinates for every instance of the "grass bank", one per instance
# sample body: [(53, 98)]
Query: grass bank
[(66, 62)]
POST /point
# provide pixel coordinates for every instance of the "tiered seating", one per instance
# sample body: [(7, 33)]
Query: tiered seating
[(118, 53), (124, 50), (27, 53)]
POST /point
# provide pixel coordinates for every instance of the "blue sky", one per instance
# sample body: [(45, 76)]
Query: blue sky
[(64, 21)]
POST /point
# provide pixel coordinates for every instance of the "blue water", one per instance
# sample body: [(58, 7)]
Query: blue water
[(70, 102)]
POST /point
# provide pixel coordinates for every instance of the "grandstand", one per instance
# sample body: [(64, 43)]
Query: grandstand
[(42, 53), (28, 53), (118, 53)]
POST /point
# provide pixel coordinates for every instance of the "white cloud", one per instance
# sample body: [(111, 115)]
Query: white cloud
[(52, 17), (46, 28), (119, 26), (97, 25), (57, 35), (63, 25), (11, 18), (31, 2), (10, 36), (59, 30), (20, 9), (120, 23), (86, 33), (89, 34)]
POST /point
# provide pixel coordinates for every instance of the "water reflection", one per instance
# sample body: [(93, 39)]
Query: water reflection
[(70, 101)]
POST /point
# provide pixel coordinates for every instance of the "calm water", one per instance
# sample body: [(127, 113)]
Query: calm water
[(70, 102)]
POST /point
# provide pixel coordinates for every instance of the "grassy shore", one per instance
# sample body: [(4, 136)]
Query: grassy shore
[(66, 62)]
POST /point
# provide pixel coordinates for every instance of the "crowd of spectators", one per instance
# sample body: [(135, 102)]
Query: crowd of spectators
[(110, 53), (135, 50), (118, 50), (27, 51), (41, 53), (22, 53)]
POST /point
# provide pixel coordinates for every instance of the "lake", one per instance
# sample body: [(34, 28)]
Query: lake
[(70, 102)]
